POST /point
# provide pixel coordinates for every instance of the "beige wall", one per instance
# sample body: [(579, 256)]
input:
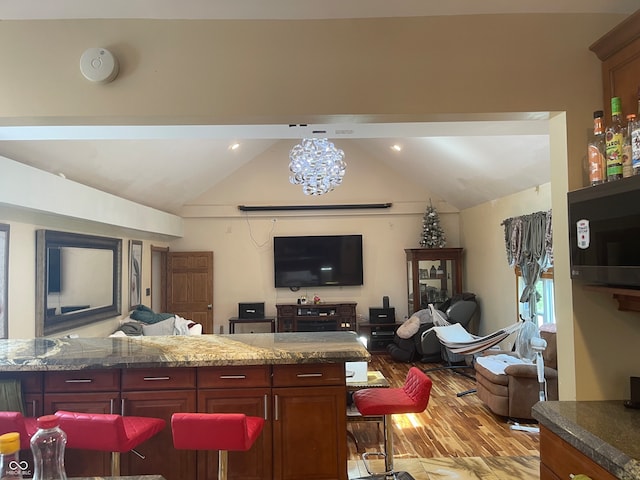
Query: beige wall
[(239, 72), (242, 242)]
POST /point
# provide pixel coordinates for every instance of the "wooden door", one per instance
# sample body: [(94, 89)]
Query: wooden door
[(160, 456), (190, 287), (254, 464), (78, 462), (309, 431)]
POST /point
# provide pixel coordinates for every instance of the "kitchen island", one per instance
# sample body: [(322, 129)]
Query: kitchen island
[(296, 381), (600, 439)]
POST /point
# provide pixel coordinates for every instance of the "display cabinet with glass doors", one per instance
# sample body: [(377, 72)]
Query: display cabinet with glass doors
[(433, 276)]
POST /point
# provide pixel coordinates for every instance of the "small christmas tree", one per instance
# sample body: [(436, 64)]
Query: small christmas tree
[(432, 233)]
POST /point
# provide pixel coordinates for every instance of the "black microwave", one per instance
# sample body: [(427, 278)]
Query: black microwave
[(604, 233)]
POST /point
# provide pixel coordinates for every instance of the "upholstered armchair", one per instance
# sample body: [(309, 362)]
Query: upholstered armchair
[(513, 393)]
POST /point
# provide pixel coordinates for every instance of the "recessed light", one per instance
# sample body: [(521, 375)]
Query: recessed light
[(234, 146), (396, 147)]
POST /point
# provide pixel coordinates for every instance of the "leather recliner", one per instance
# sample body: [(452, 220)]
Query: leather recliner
[(513, 393)]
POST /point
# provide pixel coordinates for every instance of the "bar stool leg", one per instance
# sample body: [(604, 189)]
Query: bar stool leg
[(223, 456), (115, 464)]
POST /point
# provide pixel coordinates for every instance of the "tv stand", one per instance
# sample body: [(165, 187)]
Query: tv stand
[(316, 317)]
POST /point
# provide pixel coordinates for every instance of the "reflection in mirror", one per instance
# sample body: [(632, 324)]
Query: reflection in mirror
[(78, 279)]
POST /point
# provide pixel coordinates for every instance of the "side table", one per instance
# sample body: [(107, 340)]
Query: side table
[(234, 320), (375, 379)]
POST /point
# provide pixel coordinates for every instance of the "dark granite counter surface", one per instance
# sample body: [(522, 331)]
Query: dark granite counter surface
[(180, 351), (605, 431)]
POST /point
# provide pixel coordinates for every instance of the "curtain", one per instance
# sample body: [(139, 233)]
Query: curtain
[(529, 245)]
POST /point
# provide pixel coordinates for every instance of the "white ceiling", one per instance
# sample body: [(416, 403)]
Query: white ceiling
[(145, 164)]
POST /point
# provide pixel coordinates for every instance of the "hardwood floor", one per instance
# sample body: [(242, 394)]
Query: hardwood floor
[(451, 426)]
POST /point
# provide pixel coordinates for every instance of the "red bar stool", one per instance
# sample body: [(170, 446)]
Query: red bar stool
[(412, 397), (16, 422), (108, 433), (215, 431)]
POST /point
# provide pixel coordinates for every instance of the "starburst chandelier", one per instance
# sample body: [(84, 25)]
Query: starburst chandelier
[(317, 165)]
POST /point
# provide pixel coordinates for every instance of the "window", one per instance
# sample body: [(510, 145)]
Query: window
[(545, 305), (4, 280)]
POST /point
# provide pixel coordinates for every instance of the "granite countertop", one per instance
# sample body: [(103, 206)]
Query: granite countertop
[(180, 351), (605, 431)]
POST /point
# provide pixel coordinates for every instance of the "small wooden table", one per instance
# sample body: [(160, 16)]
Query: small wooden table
[(375, 379), (234, 320)]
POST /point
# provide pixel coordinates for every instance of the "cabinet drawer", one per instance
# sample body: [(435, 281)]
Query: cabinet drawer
[(308, 374), (158, 378), (82, 381), (565, 460), (234, 377)]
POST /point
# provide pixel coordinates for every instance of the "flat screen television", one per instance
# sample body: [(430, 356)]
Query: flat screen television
[(604, 227), (317, 261)]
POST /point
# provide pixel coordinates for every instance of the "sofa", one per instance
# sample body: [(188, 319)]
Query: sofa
[(512, 393)]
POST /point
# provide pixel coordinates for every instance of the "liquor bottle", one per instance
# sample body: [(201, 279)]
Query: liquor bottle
[(635, 141), (10, 465), (613, 138), (627, 155), (596, 151)]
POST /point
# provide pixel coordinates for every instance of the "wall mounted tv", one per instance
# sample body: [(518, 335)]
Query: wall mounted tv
[(317, 261)]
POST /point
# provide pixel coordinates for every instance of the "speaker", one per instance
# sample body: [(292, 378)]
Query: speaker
[(385, 302), (382, 315), (251, 310)]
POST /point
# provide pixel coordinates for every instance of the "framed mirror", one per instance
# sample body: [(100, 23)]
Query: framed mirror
[(78, 280)]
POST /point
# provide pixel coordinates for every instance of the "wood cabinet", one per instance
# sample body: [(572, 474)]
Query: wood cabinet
[(309, 422), (304, 407), (238, 390), (559, 460), (293, 317), (619, 51), (433, 276), (159, 393), (87, 391)]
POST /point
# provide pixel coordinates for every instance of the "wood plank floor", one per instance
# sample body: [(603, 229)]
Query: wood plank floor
[(451, 426)]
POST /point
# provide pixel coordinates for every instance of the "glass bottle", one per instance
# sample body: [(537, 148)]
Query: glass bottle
[(635, 142), (596, 151), (627, 166), (613, 138), (10, 465), (48, 445)]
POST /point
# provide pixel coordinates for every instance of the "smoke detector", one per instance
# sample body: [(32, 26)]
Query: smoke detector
[(98, 65)]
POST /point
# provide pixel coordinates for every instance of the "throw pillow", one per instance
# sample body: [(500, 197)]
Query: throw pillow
[(409, 328), (164, 327)]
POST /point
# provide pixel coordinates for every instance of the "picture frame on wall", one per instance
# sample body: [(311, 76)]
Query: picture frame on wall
[(4, 280), (135, 273)]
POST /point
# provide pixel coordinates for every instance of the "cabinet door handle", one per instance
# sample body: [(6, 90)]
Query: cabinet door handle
[(154, 379), (33, 406), (79, 380), (307, 375), (111, 406), (275, 408), (122, 406), (233, 377), (266, 404)]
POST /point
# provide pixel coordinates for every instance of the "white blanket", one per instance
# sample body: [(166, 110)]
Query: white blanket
[(497, 363)]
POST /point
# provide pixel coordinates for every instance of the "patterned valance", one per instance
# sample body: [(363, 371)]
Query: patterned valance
[(529, 238)]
